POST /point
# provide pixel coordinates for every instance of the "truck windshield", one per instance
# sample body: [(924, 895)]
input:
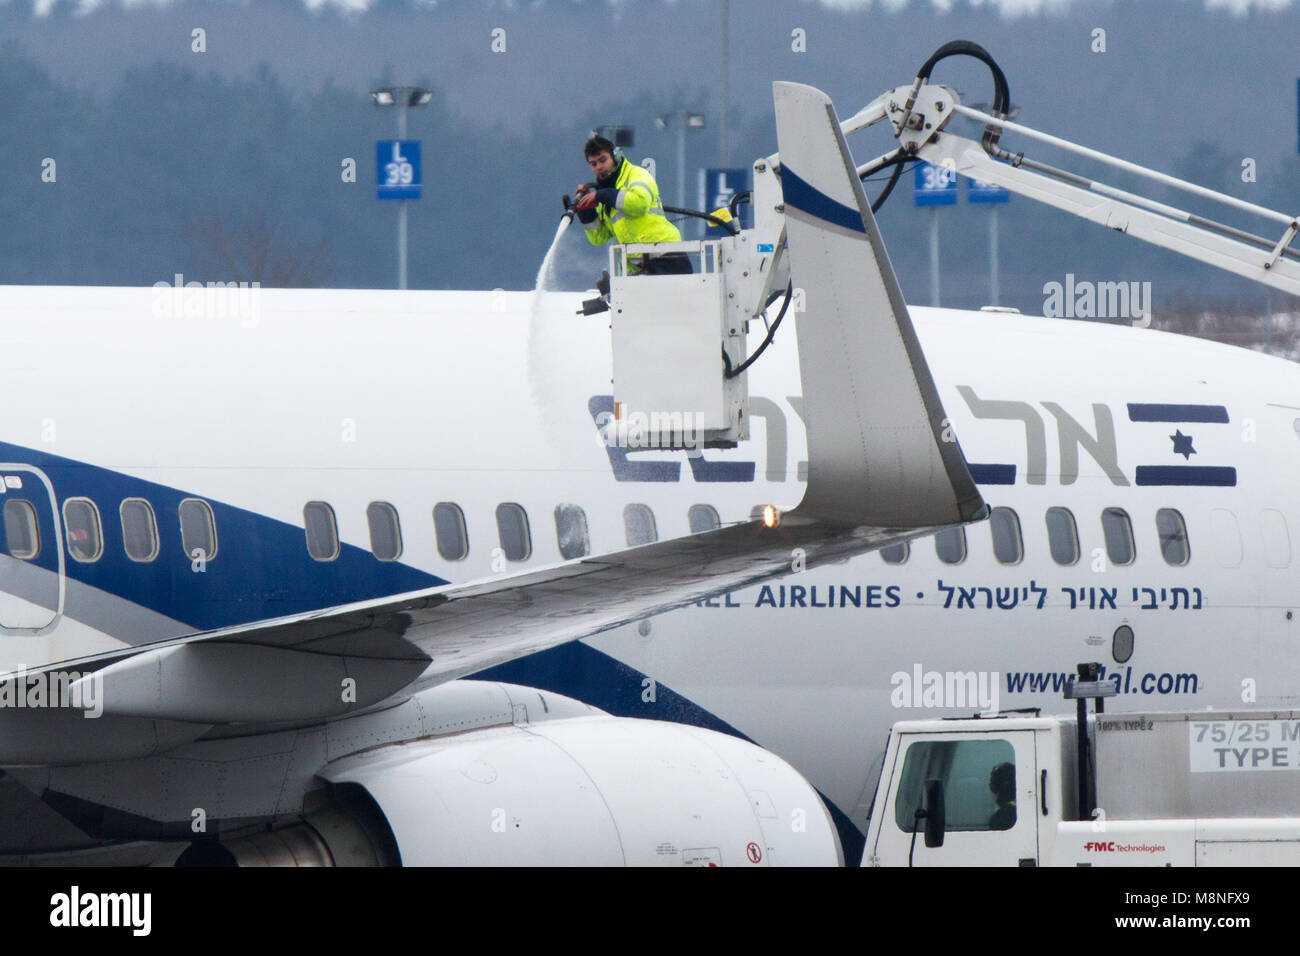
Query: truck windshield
[(979, 783)]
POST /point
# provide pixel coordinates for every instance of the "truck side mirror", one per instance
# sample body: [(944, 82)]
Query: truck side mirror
[(934, 813)]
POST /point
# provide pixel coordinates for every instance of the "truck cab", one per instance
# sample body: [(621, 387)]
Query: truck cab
[(1002, 792), (1204, 788)]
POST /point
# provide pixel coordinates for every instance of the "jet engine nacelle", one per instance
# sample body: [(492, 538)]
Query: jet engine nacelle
[(595, 790)]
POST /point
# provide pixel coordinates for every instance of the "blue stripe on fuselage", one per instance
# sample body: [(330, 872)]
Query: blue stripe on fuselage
[(261, 568)]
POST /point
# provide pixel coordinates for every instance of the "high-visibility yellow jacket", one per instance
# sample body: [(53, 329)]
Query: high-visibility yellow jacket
[(637, 215)]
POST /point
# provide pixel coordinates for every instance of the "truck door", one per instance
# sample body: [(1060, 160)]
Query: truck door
[(31, 553), (989, 782)]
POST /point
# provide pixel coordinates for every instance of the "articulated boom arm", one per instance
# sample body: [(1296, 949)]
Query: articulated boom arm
[(922, 132)]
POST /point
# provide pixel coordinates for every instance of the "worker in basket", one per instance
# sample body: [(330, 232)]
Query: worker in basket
[(623, 204)]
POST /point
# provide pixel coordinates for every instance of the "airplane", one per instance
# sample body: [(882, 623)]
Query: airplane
[(216, 521)]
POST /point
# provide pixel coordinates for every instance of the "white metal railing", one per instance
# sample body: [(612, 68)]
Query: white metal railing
[(709, 254)]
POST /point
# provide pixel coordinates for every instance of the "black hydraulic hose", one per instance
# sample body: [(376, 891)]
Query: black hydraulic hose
[(1001, 90), (678, 211), (889, 186), (727, 370), (737, 199)]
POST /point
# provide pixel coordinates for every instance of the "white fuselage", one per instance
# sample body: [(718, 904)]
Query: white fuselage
[(479, 399)]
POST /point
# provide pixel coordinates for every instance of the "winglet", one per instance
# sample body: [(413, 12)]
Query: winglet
[(881, 451)]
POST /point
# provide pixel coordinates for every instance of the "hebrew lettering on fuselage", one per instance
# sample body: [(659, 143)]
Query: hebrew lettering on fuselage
[(1100, 443), (1070, 433)]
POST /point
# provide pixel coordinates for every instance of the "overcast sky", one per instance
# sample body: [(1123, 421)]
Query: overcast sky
[(1175, 78), (1187, 65)]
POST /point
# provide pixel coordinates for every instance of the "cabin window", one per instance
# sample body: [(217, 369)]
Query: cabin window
[(1227, 537), (1008, 546), (1062, 536), (1118, 532), (385, 531), (198, 529), (639, 524), (1277, 539), (1172, 531), (322, 531), (512, 528), (896, 553), (449, 529), (571, 532), (22, 534), (703, 518), (82, 528), (979, 784), (950, 545), (139, 529)]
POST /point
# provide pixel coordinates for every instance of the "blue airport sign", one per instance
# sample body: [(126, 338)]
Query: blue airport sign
[(397, 168), (934, 185), (720, 185), (981, 191)]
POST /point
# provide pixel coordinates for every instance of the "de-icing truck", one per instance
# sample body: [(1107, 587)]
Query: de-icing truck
[(1207, 788)]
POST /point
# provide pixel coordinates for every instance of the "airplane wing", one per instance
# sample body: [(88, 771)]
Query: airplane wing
[(299, 667), (880, 470)]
